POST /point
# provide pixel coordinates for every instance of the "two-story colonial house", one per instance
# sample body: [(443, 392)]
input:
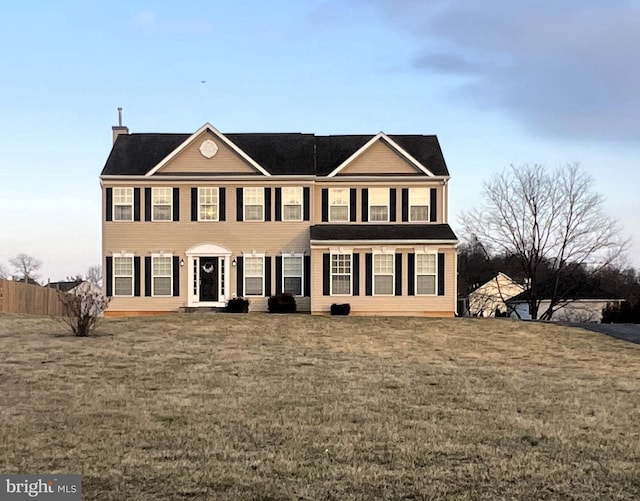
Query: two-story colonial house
[(192, 220)]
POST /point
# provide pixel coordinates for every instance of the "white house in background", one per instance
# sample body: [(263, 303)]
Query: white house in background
[(492, 296)]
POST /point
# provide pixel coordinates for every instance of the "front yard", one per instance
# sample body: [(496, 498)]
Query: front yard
[(259, 406)]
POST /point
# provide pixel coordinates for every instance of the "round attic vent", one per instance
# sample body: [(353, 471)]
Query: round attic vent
[(208, 148)]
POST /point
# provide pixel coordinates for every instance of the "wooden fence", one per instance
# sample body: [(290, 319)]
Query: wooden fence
[(18, 297)]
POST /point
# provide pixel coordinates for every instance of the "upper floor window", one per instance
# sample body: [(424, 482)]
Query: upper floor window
[(161, 268), (340, 274), (123, 275), (123, 204), (162, 203), (292, 274), (208, 204), (254, 275), (253, 204), (419, 205), (425, 274), (292, 203), (383, 274), (339, 204), (379, 204)]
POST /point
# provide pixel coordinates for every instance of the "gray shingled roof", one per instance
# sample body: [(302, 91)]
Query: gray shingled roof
[(279, 154), (382, 232)]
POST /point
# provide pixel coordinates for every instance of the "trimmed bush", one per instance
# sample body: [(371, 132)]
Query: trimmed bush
[(282, 303), (340, 309), (238, 305)]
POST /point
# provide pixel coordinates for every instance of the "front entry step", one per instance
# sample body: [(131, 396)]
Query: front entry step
[(202, 309)]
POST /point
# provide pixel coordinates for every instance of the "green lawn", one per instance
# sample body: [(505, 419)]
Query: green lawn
[(264, 407)]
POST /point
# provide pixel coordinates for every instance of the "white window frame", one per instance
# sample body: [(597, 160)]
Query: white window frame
[(153, 275), (412, 194), (216, 190), (332, 192), (284, 203), (374, 274), (332, 274), (435, 273), (245, 276), (387, 205), (301, 276), (245, 191), (129, 256), (115, 196), (154, 203)]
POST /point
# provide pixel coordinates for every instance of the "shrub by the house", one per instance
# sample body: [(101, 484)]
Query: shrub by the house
[(282, 303), (238, 305), (340, 309)]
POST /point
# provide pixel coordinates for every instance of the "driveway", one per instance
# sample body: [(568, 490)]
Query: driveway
[(626, 332)]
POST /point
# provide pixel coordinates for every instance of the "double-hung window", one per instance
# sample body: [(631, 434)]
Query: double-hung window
[(207, 204), (292, 275), (162, 275), (383, 274), (292, 203), (419, 205), (162, 203), (339, 204), (123, 204), (379, 204), (123, 275), (253, 199), (425, 274), (254, 275), (340, 274)]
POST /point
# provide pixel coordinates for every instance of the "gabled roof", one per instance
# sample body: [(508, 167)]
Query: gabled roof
[(277, 153), (413, 232), (594, 293)]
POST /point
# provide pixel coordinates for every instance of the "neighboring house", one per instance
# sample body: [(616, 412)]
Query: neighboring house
[(490, 297), (192, 220), (584, 308)]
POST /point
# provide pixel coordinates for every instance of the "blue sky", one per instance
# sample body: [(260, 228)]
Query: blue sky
[(499, 82)]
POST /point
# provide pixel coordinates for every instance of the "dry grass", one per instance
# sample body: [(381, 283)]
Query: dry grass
[(299, 407)]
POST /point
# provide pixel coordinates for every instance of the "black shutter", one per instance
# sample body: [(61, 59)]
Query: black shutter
[(405, 205), (136, 204), (398, 274), (278, 204), (108, 274), (365, 205), (411, 274), (353, 209), (239, 275), (194, 204), (355, 273), (267, 276), (147, 204), (325, 205), (278, 274), (307, 276), (326, 274), (440, 274), (306, 210), (433, 208), (136, 275), (176, 204), (392, 205), (222, 204), (267, 204), (239, 204), (109, 204), (147, 275), (176, 275), (368, 274)]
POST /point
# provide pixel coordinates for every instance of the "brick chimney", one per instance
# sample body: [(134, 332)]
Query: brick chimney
[(119, 129)]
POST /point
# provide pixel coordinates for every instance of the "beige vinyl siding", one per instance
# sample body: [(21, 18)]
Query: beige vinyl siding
[(379, 158), (386, 305), (226, 160)]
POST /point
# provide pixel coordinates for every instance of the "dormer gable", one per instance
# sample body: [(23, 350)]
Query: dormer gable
[(207, 151)]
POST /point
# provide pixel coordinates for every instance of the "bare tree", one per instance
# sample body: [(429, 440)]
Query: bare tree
[(3, 271), (83, 309), (94, 275), (25, 266), (551, 222)]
